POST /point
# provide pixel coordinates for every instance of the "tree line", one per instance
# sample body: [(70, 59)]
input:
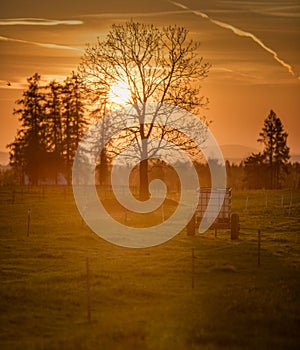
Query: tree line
[(52, 122), (53, 119)]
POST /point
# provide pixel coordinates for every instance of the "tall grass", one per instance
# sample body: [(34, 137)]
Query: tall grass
[(143, 298)]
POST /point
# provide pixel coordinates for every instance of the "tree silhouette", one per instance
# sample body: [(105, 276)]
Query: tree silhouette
[(73, 120), (276, 151), (27, 152), (54, 132), (155, 65), (266, 169), (256, 171), (52, 123)]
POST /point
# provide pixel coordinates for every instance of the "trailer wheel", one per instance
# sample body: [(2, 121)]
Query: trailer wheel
[(235, 226), (191, 226)]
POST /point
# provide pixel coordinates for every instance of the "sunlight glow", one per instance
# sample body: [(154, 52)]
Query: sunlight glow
[(119, 92)]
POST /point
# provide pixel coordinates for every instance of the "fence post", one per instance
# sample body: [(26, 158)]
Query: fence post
[(193, 268), (162, 213), (13, 196), (28, 221), (88, 289), (258, 247), (191, 226), (234, 226), (291, 203)]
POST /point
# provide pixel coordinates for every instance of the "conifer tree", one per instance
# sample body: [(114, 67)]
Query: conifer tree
[(73, 120), (27, 152), (276, 151)]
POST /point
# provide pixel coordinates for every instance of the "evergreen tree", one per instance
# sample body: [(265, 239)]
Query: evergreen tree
[(52, 124), (27, 152), (256, 171), (73, 120), (276, 151), (54, 117), (54, 129)]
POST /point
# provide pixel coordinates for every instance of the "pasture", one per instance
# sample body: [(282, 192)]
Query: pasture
[(193, 292)]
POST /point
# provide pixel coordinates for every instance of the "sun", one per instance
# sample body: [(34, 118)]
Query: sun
[(119, 92)]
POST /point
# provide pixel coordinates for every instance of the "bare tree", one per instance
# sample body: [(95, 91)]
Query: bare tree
[(153, 65)]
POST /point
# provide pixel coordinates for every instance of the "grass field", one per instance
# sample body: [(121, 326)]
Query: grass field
[(151, 298)]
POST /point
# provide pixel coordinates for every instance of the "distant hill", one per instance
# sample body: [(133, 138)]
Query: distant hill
[(4, 158), (237, 153), (295, 158)]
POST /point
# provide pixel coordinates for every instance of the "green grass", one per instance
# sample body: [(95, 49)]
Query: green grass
[(143, 298)]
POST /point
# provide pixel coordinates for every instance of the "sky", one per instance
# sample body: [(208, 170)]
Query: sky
[(253, 47)]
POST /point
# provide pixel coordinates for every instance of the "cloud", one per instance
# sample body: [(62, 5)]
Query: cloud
[(278, 12), (37, 22), (134, 14), (282, 9), (241, 33), (12, 85), (227, 70), (45, 45)]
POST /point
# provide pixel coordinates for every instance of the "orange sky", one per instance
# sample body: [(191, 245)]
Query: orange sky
[(253, 47)]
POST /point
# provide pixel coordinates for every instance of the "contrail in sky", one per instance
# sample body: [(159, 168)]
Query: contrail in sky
[(114, 15), (37, 22), (46, 45), (239, 32)]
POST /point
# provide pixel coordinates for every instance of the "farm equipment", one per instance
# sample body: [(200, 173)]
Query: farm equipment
[(224, 220)]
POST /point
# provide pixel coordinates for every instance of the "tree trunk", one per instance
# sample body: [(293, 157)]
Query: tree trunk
[(103, 169), (144, 180), (68, 172)]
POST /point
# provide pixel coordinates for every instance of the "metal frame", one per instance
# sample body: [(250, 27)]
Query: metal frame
[(224, 218)]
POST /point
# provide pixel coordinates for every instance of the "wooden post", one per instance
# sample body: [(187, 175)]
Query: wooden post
[(28, 221), (290, 208), (291, 204), (193, 268), (85, 208), (234, 226), (13, 198), (258, 247), (162, 213), (191, 226), (88, 289), (246, 203)]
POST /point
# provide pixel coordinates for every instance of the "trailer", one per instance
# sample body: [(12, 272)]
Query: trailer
[(225, 219)]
